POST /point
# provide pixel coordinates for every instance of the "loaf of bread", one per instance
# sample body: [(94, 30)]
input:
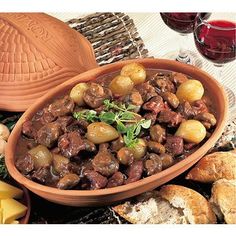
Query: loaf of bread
[(173, 204), (214, 166), (223, 200), (38, 52)]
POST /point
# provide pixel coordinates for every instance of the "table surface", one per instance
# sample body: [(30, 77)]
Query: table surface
[(159, 40)]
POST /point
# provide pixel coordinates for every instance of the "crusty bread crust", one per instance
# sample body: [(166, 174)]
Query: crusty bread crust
[(195, 207), (213, 167), (122, 209), (185, 205), (223, 199)]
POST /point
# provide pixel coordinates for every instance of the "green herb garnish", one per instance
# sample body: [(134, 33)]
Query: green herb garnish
[(3, 168), (130, 138), (89, 115), (120, 115)]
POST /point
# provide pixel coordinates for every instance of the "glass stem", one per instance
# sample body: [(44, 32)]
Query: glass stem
[(183, 55), (218, 72), (229, 92)]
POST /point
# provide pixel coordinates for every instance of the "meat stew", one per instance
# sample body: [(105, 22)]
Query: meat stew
[(116, 129)]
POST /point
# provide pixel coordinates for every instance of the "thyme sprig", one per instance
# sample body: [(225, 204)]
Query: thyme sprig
[(126, 121)]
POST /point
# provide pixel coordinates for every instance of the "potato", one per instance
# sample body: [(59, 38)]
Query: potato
[(41, 156), (100, 132), (4, 132), (192, 131), (77, 92), (190, 91), (135, 71), (140, 149), (121, 85)]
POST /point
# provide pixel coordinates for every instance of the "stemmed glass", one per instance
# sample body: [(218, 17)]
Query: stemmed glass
[(183, 23), (215, 39)]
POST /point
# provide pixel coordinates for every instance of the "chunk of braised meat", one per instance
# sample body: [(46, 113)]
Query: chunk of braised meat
[(104, 162), (155, 105), (116, 180), (25, 164), (186, 110), (155, 147), (171, 99), (64, 122), (83, 124), (95, 95), (100, 109), (117, 144), (68, 181), (158, 133), (189, 146), (167, 160), (174, 145), (47, 116), (96, 180), (61, 107), (178, 78), (28, 129), (146, 91), (171, 118), (134, 172), (89, 146), (42, 174), (78, 125), (152, 164), (55, 150), (162, 83), (207, 119), (70, 144), (199, 106), (48, 134), (150, 116)]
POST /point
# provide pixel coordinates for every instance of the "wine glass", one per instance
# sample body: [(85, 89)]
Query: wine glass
[(183, 23), (215, 39)]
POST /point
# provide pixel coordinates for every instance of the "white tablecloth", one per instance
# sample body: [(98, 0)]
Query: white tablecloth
[(159, 40)]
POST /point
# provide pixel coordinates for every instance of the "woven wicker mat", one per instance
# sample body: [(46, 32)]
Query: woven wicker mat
[(114, 37)]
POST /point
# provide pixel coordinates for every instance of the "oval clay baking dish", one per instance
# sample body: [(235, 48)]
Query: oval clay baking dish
[(110, 195)]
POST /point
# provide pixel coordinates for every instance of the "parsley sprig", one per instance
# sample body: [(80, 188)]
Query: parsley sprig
[(122, 116)]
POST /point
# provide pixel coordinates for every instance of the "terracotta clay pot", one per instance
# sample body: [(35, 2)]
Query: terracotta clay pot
[(38, 52), (110, 195)]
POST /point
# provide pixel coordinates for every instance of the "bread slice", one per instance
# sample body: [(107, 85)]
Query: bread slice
[(214, 166), (223, 200), (195, 207), (173, 204)]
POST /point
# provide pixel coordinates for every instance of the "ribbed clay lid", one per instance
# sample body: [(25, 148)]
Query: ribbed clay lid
[(38, 52)]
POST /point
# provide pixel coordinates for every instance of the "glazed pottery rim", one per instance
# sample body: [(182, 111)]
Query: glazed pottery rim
[(10, 150)]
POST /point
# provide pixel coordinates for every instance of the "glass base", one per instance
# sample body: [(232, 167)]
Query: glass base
[(193, 59), (231, 97)]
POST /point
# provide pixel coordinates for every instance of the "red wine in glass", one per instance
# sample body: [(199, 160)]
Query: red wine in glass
[(216, 41), (182, 22)]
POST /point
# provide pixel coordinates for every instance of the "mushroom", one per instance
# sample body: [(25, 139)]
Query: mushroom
[(4, 132)]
